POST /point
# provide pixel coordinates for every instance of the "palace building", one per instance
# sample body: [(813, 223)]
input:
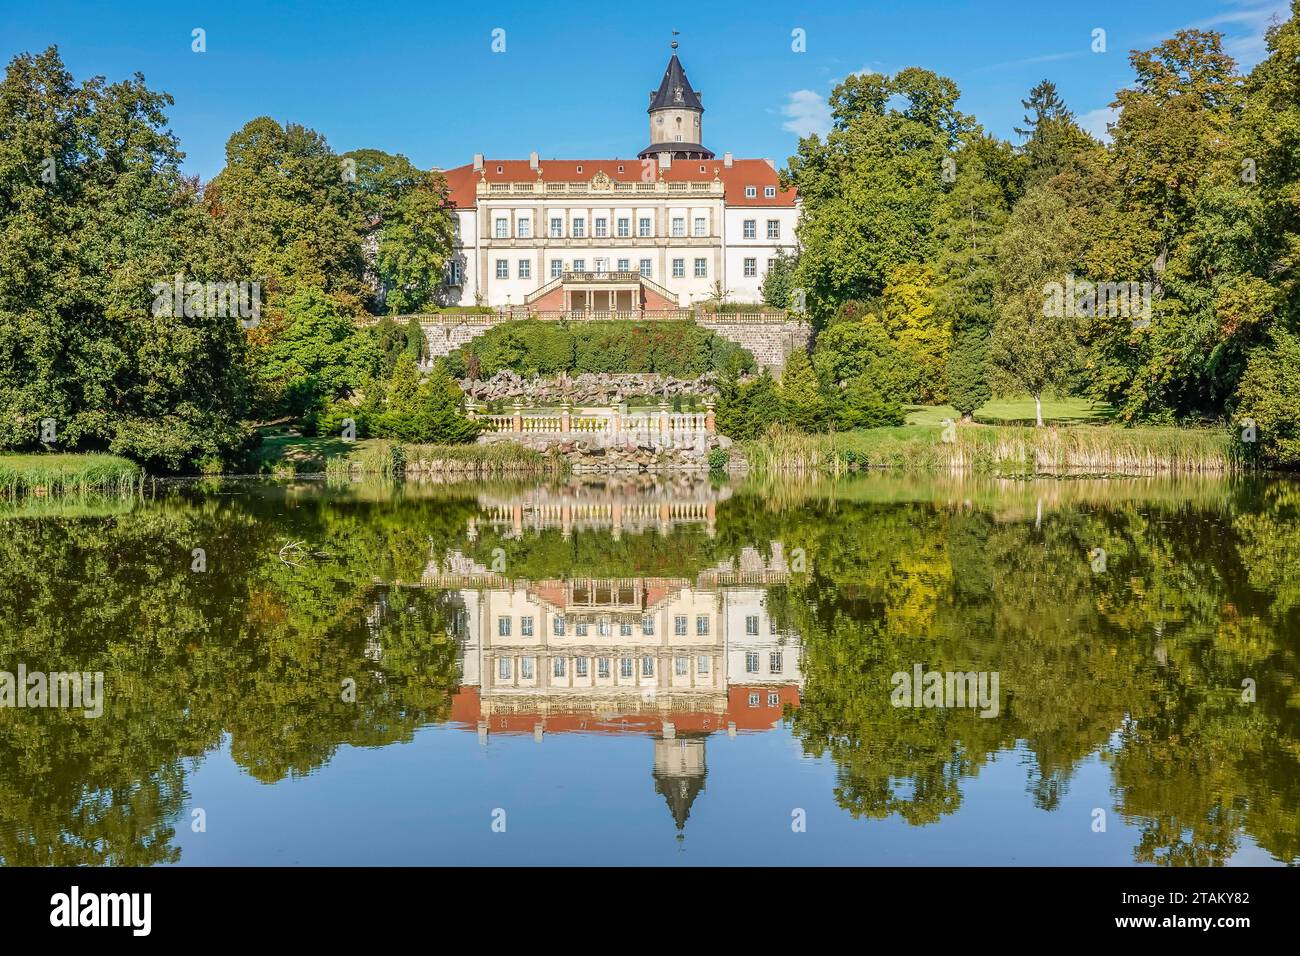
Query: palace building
[(662, 230)]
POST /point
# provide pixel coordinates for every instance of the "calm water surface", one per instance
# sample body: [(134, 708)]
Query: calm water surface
[(672, 673)]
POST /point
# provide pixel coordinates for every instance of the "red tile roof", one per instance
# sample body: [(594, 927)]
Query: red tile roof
[(462, 180)]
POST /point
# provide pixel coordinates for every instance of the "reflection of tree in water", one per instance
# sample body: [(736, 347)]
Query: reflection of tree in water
[(1144, 662), (1157, 646), (251, 647)]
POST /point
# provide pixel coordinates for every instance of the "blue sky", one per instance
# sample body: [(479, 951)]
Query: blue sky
[(422, 78)]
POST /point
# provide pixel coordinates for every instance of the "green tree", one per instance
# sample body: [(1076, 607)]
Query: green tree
[(869, 191), (968, 384), (94, 213), (804, 402), (1034, 345), (778, 283)]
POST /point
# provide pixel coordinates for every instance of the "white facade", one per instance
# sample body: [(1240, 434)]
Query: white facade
[(687, 225)]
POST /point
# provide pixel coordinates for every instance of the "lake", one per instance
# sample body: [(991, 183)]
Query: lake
[(883, 669)]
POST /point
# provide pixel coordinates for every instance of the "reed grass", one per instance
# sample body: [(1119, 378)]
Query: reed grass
[(1081, 450), (58, 474), (389, 459)]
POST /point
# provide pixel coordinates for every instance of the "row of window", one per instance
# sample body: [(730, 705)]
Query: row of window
[(524, 268), (774, 662), (769, 192), (560, 625), (623, 228), (581, 667)]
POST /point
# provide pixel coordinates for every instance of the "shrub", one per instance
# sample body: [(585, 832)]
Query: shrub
[(534, 347)]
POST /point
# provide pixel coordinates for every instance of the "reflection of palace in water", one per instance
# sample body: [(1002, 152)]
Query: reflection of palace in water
[(677, 659)]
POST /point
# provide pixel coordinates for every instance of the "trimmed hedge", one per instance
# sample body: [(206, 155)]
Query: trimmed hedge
[(533, 347)]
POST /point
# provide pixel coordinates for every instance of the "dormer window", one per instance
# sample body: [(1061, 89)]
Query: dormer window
[(701, 169), (620, 167), (499, 169), (579, 167), (751, 192), (769, 192)]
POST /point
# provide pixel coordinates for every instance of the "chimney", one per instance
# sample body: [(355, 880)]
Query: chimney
[(727, 160), (665, 160), (478, 162), (532, 161), (770, 163)]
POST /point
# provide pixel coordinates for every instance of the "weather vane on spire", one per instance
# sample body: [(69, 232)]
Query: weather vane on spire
[(674, 43)]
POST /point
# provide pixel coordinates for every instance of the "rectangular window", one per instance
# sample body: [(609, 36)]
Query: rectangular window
[(579, 667), (774, 229), (643, 227), (557, 268), (453, 272), (503, 668), (526, 625), (624, 227), (603, 628), (601, 266), (751, 268), (701, 625), (751, 229), (557, 227), (751, 192), (503, 269), (557, 666), (680, 666), (701, 226), (769, 192), (579, 265), (751, 662), (503, 228), (647, 625), (579, 227), (625, 629), (580, 629), (557, 625), (679, 225), (525, 268), (774, 662), (647, 666), (701, 268), (526, 668), (624, 265), (503, 627), (679, 625), (602, 227), (751, 624), (602, 667), (679, 268), (525, 229), (625, 667), (753, 700), (773, 700), (702, 664), (645, 268)]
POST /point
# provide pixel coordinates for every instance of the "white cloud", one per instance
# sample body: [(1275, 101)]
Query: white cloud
[(807, 112), (1094, 121), (1243, 26)]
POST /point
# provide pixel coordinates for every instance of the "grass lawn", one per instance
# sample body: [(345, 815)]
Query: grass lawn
[(1017, 411), (296, 454)]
